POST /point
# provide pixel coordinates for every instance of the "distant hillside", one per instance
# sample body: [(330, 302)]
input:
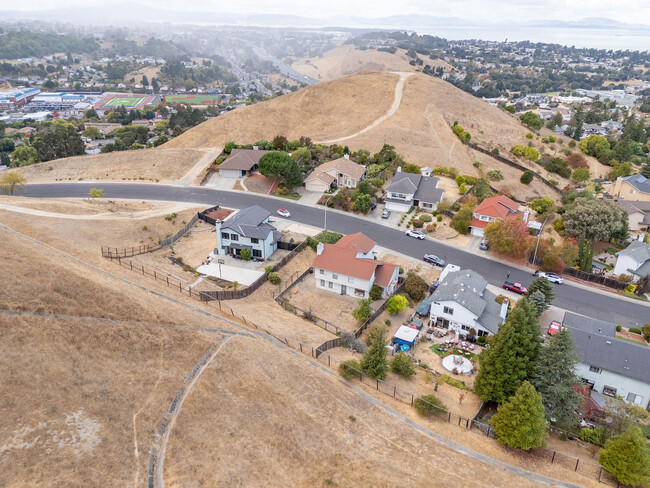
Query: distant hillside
[(23, 44)]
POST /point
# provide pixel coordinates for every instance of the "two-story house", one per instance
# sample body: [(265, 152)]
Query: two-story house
[(634, 260), (610, 366), (638, 213), (635, 187), (494, 208), (350, 267), (462, 302), (337, 173), (247, 229), (407, 190)]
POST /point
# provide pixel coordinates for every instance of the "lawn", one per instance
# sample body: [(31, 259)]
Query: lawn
[(457, 351), (124, 102), (630, 340), (193, 99), (290, 196)]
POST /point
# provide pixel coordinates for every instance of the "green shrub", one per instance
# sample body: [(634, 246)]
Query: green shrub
[(416, 287), (425, 218), (634, 330), (375, 292), (494, 175), (527, 177), (417, 223), (274, 278), (268, 268), (462, 189), (439, 218), (429, 405), (402, 365), (480, 340), (553, 181), (460, 180), (453, 382), (529, 136), (596, 435), (618, 328), (387, 322), (401, 270), (350, 369), (246, 254)]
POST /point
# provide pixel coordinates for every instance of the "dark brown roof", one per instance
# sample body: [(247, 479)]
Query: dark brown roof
[(243, 159)]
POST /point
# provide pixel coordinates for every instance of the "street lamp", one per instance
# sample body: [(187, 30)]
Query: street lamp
[(538, 237), (325, 223)]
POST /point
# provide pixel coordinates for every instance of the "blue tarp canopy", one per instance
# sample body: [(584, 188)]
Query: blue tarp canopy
[(424, 308)]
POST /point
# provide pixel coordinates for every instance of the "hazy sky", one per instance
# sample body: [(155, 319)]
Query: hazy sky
[(629, 11)]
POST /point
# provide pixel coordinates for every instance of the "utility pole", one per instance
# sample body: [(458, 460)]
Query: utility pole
[(325, 223), (538, 237)]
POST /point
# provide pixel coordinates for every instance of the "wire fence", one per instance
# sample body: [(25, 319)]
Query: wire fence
[(170, 240), (128, 252)]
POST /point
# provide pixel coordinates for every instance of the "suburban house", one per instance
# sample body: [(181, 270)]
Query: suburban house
[(407, 190), (633, 260), (635, 187), (247, 229), (241, 162), (350, 267), (610, 366), (339, 172), (494, 208), (638, 213), (462, 302)]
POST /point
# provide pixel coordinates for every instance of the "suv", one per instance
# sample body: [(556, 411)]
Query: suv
[(415, 233), (552, 277), (385, 214), (483, 246)]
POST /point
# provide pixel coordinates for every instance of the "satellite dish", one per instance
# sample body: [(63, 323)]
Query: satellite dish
[(609, 420)]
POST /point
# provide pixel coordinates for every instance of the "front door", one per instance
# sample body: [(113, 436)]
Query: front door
[(344, 290)]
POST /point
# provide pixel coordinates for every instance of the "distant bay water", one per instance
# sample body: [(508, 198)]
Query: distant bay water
[(599, 38)]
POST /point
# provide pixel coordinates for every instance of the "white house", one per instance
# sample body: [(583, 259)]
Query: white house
[(247, 229), (610, 366), (350, 267), (336, 173), (462, 302), (407, 190), (634, 260)]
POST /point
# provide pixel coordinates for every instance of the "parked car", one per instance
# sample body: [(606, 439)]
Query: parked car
[(385, 214), (483, 246), (415, 233), (283, 212), (516, 287), (554, 328), (552, 277), (433, 259)]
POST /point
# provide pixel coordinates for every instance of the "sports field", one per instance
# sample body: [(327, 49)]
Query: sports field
[(124, 101), (193, 99)]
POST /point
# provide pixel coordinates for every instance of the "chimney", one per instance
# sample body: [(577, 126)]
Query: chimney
[(526, 214), (217, 230), (320, 248), (504, 309), (346, 156), (255, 148)]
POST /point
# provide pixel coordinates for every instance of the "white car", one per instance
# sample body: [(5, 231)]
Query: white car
[(415, 233), (283, 212), (552, 277)]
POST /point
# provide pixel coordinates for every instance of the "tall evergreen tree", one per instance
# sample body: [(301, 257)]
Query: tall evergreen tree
[(538, 299), (374, 362), (520, 421), (511, 358), (627, 457), (555, 380), (543, 285)]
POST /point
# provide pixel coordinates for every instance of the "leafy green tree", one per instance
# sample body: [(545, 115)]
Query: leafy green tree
[(556, 121), (429, 405), (463, 219), (511, 358), (279, 142), (375, 292), (280, 165), (520, 421), (645, 170), (527, 177), (374, 362), (555, 379), (415, 286), (538, 299), (12, 181), (402, 365), (595, 145), (373, 170), (542, 205), (96, 193), (60, 140), (7, 145), (411, 168), (396, 304), (531, 120), (545, 287), (363, 203), (482, 190), (627, 457), (24, 155), (246, 254), (363, 311), (580, 174), (301, 154), (229, 147), (91, 132)]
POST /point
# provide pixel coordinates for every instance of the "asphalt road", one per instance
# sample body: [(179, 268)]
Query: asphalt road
[(593, 304)]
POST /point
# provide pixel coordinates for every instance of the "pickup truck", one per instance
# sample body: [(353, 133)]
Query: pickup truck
[(516, 287)]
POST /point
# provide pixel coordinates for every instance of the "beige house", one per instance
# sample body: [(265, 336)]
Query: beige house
[(340, 172), (638, 213), (635, 187)]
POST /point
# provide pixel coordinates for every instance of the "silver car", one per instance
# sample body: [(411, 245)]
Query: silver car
[(552, 277)]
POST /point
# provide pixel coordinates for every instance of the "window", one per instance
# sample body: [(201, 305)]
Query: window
[(322, 271), (350, 279), (322, 283), (257, 253), (254, 240), (401, 196), (225, 235), (234, 237), (330, 284), (634, 398), (448, 311), (595, 369), (359, 293), (335, 276), (609, 391), (426, 205)]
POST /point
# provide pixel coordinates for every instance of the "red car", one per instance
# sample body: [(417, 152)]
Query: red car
[(554, 328), (516, 287)]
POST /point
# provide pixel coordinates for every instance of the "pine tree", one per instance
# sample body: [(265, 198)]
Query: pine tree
[(520, 422), (555, 380), (543, 285), (538, 300), (374, 362), (511, 358), (627, 457), (645, 170)]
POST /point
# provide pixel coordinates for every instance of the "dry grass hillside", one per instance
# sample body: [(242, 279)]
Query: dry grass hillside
[(163, 165), (347, 60)]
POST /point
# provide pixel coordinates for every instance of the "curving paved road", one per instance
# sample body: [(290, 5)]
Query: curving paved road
[(603, 306)]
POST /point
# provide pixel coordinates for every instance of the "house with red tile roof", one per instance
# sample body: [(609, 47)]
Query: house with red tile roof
[(350, 267), (494, 208)]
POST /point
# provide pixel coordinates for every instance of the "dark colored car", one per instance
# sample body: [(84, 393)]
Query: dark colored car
[(433, 259), (483, 246)]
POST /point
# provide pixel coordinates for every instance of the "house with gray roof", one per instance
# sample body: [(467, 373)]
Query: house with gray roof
[(634, 260), (610, 366), (409, 189), (462, 302), (635, 187), (247, 229), (638, 213)]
